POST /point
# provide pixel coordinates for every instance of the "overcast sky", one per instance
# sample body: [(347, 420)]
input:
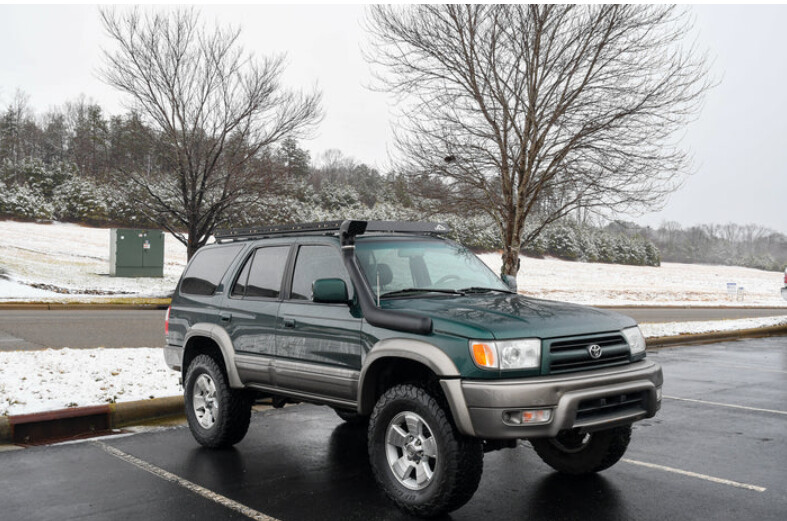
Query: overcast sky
[(739, 142)]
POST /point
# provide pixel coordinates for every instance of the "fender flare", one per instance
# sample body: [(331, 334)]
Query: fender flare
[(419, 351), (223, 340)]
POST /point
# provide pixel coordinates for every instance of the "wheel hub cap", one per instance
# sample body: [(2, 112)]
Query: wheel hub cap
[(411, 450), (205, 402)]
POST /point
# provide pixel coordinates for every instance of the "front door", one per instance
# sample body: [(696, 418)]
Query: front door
[(318, 349)]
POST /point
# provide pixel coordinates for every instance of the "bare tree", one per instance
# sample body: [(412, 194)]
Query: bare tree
[(539, 110), (214, 108)]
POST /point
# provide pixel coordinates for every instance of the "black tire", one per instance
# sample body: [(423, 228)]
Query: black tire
[(350, 417), (455, 469), (230, 409), (573, 452)]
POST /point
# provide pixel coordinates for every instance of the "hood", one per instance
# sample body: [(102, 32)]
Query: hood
[(506, 316)]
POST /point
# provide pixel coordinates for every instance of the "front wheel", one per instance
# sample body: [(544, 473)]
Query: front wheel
[(577, 452), (218, 415), (419, 459)]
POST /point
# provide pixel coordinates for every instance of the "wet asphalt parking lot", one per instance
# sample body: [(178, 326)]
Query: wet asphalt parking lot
[(716, 451)]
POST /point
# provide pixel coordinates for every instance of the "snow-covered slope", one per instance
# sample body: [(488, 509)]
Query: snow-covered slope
[(670, 284), (75, 259)]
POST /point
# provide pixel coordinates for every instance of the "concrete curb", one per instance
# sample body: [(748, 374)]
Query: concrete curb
[(123, 414), (704, 338), (75, 421)]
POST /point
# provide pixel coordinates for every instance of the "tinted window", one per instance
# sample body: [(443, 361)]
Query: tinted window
[(316, 262), (239, 289), (267, 271), (207, 268)]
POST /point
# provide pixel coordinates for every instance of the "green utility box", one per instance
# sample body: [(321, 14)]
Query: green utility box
[(136, 253)]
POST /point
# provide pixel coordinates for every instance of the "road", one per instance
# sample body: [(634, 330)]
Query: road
[(716, 451), (39, 329)]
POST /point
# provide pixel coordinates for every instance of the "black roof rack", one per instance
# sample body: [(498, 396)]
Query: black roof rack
[(347, 229)]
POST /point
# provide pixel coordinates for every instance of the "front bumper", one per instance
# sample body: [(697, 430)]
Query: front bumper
[(591, 400)]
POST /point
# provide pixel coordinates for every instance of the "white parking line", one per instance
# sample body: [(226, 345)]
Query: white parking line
[(188, 485), (752, 367), (719, 404), (696, 475)]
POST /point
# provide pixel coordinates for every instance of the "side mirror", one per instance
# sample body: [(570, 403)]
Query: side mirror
[(510, 281), (330, 291)]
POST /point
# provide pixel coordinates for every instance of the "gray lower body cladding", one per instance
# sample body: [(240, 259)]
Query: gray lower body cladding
[(590, 400)]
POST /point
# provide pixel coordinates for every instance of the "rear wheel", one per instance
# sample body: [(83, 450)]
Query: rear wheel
[(218, 415), (577, 452), (419, 459)]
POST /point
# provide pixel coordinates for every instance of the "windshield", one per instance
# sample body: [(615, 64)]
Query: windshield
[(407, 266)]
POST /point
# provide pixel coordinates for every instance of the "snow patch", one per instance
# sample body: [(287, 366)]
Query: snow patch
[(75, 260), (655, 330), (671, 284), (35, 381)]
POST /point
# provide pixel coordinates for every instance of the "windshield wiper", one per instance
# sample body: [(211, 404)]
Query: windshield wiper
[(408, 291), (481, 289)]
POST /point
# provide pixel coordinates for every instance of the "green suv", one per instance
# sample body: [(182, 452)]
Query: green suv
[(393, 325)]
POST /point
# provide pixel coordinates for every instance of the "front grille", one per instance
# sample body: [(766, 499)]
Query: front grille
[(610, 407), (572, 354)]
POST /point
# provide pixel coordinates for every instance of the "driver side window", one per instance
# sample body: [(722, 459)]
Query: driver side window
[(317, 262)]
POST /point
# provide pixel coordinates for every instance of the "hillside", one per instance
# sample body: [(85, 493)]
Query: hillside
[(70, 262)]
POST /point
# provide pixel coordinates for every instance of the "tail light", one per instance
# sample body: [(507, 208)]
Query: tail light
[(166, 322)]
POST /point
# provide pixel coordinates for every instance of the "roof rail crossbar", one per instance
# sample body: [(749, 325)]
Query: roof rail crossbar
[(346, 228)]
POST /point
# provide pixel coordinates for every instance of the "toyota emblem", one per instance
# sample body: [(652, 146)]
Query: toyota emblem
[(594, 351)]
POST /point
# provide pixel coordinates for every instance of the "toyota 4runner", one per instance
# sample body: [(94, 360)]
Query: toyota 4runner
[(393, 325)]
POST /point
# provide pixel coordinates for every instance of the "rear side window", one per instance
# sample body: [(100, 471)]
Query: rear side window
[(262, 276), (206, 270)]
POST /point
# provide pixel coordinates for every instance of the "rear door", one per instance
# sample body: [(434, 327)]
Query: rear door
[(318, 348), (251, 308)]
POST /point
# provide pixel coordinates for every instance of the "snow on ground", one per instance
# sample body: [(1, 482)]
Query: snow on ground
[(655, 330), (14, 290), (74, 259), (670, 284), (35, 381)]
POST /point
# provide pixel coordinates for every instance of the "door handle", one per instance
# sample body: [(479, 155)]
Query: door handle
[(289, 323), (225, 316)]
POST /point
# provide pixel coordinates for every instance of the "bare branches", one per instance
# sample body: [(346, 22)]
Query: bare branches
[(546, 108), (214, 107)]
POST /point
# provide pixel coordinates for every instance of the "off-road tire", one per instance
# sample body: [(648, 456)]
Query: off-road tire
[(459, 462), (233, 406), (350, 417), (602, 450)]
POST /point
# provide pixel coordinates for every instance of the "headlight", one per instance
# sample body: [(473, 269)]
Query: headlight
[(635, 339), (507, 354)]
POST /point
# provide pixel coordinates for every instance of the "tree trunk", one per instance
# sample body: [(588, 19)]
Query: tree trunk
[(511, 259), (192, 245)]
